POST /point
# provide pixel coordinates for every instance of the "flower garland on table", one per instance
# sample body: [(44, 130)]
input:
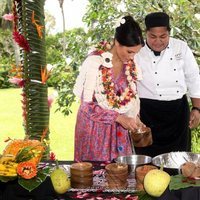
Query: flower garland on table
[(105, 92)]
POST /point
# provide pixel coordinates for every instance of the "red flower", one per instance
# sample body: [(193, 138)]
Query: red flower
[(52, 156), (21, 41)]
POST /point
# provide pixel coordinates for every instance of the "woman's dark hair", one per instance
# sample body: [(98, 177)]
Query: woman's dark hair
[(129, 33)]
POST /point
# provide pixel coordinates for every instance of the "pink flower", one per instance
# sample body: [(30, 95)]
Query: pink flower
[(50, 100), (17, 81), (81, 195), (9, 17), (129, 197)]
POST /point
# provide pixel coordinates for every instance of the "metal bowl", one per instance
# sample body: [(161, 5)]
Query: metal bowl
[(172, 161), (133, 160)]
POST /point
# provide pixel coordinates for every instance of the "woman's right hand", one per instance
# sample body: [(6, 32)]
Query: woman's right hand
[(128, 123)]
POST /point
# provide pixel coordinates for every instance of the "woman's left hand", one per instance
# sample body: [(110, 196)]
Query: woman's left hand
[(194, 119)]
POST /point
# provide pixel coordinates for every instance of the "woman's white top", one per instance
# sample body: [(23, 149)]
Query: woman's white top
[(88, 83), (168, 76)]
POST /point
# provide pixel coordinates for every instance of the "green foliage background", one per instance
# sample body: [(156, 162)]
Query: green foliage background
[(99, 19)]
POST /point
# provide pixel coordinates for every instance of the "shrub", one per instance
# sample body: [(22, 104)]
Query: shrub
[(4, 76)]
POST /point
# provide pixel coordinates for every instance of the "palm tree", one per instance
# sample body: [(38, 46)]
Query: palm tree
[(63, 19)]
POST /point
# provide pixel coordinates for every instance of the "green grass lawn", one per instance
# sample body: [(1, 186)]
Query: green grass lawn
[(61, 127)]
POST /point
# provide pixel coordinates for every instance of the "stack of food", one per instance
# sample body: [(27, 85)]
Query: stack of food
[(191, 170), (116, 175), (140, 173)]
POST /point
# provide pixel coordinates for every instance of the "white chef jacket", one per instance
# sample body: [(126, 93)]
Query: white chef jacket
[(170, 75)]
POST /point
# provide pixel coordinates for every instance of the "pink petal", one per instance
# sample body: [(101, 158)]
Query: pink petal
[(9, 17), (50, 100), (17, 81)]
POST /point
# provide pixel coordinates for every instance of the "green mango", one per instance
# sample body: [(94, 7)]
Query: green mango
[(60, 180)]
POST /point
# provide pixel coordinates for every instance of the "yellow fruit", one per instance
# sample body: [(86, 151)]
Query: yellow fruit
[(60, 180), (156, 181), (2, 167), (16, 145), (7, 158)]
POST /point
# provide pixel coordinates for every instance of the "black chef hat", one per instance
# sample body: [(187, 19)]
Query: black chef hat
[(157, 19)]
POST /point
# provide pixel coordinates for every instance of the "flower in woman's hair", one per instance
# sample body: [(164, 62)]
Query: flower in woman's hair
[(107, 59), (104, 46), (119, 21)]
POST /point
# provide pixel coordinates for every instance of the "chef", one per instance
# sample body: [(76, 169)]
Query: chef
[(170, 77)]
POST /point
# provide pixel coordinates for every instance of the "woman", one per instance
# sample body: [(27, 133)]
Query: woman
[(109, 101)]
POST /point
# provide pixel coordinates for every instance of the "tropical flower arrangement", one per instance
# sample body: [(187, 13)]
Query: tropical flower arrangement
[(20, 160)]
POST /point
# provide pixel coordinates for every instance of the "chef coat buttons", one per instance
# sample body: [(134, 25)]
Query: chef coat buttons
[(177, 91), (176, 81), (154, 61), (156, 72), (174, 69), (171, 58), (160, 95), (157, 84)]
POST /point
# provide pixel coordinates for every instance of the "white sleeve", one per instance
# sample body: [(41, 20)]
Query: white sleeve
[(192, 75), (86, 80)]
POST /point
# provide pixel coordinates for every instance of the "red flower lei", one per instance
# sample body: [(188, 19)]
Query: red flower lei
[(118, 100)]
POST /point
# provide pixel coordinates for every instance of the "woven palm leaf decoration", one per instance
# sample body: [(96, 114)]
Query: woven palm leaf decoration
[(29, 34)]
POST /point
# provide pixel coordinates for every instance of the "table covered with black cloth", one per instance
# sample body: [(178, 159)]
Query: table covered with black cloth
[(13, 191)]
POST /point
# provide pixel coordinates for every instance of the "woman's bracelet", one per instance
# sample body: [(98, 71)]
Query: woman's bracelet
[(196, 108)]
